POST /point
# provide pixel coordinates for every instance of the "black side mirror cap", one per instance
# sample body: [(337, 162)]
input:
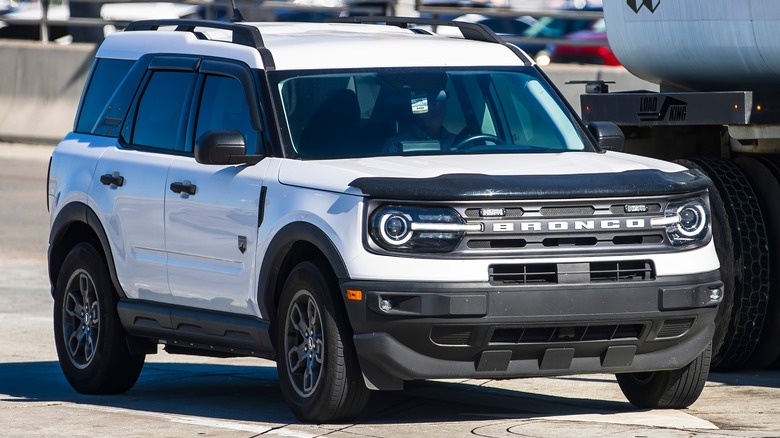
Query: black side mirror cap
[(608, 135), (223, 147)]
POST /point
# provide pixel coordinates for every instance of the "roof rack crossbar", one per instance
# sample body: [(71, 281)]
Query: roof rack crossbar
[(242, 34), (470, 31)]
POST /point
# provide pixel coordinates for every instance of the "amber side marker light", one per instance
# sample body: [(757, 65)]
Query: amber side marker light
[(354, 295)]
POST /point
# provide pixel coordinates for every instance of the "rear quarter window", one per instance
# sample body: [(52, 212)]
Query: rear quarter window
[(106, 76)]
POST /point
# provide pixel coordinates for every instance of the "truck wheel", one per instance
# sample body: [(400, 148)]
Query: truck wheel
[(91, 342), (744, 260), (318, 369), (675, 389), (764, 176)]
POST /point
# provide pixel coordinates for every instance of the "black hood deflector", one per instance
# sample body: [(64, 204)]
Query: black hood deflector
[(463, 187)]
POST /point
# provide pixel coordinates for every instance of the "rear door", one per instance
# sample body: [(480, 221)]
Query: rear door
[(130, 193)]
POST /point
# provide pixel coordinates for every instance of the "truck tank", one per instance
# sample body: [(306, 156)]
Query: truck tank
[(698, 45)]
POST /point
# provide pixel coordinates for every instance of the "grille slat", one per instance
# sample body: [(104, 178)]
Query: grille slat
[(567, 211)]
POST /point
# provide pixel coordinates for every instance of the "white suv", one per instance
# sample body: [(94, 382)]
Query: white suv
[(367, 204)]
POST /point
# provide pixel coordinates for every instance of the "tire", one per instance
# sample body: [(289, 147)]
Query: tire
[(324, 384), (92, 345), (676, 389), (764, 175), (742, 245)]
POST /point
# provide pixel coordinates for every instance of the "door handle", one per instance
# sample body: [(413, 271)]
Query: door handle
[(184, 187), (112, 179)]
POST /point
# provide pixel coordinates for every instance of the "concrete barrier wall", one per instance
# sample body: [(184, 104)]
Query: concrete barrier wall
[(40, 87)]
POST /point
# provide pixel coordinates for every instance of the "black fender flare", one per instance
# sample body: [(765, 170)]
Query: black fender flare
[(277, 252), (78, 212)]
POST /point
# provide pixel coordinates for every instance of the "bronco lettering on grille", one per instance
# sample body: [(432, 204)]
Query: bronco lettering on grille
[(571, 225)]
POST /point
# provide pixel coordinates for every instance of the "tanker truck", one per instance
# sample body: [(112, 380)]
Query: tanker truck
[(717, 64)]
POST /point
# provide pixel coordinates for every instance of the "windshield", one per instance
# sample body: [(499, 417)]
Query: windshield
[(422, 111)]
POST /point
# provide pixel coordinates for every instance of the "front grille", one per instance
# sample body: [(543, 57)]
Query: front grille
[(554, 228), (593, 272), (529, 335), (605, 226)]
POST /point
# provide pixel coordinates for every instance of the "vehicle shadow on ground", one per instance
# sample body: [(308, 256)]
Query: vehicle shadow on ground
[(762, 378), (252, 393)]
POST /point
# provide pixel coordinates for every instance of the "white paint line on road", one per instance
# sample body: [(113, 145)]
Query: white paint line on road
[(659, 418), (256, 428)]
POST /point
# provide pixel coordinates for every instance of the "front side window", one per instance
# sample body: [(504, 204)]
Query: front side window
[(224, 106), (162, 111), (424, 111)]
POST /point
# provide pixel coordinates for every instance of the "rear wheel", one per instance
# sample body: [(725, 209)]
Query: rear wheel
[(91, 342), (318, 369), (674, 389)]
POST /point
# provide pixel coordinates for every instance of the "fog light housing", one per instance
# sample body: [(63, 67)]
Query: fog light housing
[(716, 295), (386, 305)]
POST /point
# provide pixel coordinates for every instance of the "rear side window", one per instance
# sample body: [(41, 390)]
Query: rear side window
[(106, 77)]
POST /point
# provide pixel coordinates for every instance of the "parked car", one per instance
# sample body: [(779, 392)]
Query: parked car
[(547, 27), (541, 28), (586, 54)]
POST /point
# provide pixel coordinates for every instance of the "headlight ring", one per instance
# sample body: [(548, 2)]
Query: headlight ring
[(395, 228)]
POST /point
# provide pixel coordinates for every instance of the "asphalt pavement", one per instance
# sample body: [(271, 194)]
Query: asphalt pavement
[(183, 396)]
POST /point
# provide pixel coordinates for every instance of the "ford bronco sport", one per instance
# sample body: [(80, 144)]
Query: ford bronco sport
[(269, 190)]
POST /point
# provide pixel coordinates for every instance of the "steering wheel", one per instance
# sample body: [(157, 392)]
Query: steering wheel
[(468, 141)]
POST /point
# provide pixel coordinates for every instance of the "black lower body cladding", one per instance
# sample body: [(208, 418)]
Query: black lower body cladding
[(409, 331)]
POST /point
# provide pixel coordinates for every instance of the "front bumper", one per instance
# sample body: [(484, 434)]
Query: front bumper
[(409, 331)]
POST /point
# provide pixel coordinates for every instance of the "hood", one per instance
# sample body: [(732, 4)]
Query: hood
[(484, 174)]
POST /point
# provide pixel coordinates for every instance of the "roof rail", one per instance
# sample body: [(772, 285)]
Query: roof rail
[(470, 31), (242, 34)]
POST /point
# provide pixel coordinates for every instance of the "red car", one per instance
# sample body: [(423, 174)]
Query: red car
[(594, 50)]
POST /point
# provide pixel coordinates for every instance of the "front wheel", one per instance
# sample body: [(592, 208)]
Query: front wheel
[(318, 369), (91, 342), (675, 389)]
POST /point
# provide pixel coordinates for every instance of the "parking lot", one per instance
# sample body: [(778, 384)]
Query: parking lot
[(181, 396)]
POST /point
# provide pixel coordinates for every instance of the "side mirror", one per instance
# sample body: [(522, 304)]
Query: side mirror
[(223, 147), (608, 135)]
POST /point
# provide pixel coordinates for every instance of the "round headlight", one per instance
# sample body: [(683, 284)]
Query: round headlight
[(687, 221), (421, 229), (395, 228), (692, 220)]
